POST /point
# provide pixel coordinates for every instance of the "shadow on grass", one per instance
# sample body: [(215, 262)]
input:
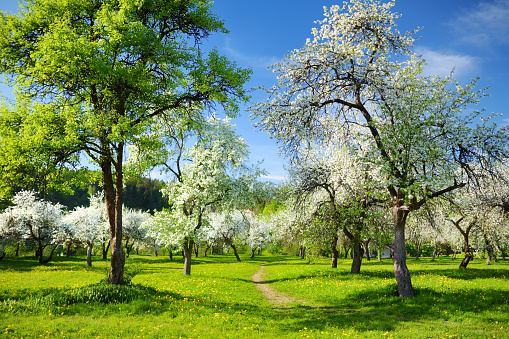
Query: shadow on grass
[(30, 263), (368, 311)]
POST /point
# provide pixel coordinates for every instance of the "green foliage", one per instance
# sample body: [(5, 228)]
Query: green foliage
[(102, 293), (145, 194), (90, 76)]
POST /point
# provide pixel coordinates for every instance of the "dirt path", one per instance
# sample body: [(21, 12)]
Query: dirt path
[(274, 297)]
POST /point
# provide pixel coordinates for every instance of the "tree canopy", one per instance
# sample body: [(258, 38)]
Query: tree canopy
[(90, 75), (357, 77)]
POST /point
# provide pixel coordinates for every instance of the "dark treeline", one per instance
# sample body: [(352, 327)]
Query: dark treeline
[(143, 194)]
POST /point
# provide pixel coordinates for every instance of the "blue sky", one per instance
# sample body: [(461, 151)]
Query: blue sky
[(471, 35)]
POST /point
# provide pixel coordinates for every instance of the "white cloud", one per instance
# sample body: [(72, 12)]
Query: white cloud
[(274, 177), (441, 63), (485, 24), (253, 60)]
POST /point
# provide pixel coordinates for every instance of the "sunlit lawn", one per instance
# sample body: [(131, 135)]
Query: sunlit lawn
[(219, 300)]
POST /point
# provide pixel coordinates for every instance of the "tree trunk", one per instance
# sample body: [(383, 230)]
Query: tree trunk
[(206, 250), (68, 252), (17, 250), (379, 255), (252, 253), (196, 248), (358, 253), (399, 253), (171, 254), (489, 248), (128, 248), (434, 252), (468, 255), (347, 250), (418, 255), (366, 249), (47, 260), (40, 250), (187, 250), (105, 251), (334, 251), (114, 200), (235, 252), (334, 256), (302, 252), (454, 255), (89, 255), (2, 253)]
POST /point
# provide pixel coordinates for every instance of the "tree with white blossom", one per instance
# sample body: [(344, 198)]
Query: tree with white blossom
[(229, 228), (34, 220), (258, 235), (339, 191), (134, 233), (209, 174), (88, 226), (358, 70)]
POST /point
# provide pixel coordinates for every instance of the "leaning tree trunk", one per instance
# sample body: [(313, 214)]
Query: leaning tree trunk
[(48, 259), (347, 251), (128, 248), (206, 250), (114, 200), (187, 250), (399, 253), (468, 255), (235, 252), (89, 255)]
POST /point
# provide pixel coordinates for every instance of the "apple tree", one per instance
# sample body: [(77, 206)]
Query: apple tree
[(424, 132)]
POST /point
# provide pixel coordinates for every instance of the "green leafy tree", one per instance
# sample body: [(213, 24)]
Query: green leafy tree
[(90, 75), (358, 70)]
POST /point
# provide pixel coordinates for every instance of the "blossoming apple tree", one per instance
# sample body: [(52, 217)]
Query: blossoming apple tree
[(88, 226), (35, 221), (358, 70), (208, 175)]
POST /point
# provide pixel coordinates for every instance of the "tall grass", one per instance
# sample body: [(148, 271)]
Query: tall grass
[(219, 300)]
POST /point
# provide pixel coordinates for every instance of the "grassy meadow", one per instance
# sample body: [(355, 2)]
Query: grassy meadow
[(65, 299)]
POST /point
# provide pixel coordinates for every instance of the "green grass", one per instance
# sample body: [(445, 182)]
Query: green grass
[(219, 300)]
